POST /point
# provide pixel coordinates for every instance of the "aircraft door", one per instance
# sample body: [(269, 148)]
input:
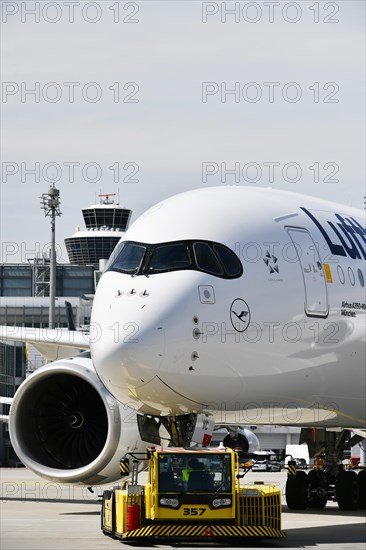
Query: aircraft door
[(316, 298)]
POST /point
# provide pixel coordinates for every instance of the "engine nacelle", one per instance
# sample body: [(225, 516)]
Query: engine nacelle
[(65, 426)]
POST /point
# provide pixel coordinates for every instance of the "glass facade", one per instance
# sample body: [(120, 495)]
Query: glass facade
[(16, 280), (117, 218), (12, 374), (89, 250), (12, 368), (75, 280), (33, 316)]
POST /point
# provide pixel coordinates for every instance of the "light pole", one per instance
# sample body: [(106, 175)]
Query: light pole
[(50, 203)]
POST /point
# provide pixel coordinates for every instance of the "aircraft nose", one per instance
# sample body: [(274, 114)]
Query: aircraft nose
[(127, 338)]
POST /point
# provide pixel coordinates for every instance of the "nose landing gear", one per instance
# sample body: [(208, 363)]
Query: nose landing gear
[(180, 431)]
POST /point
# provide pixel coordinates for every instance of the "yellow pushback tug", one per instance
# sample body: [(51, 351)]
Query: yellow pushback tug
[(190, 496)]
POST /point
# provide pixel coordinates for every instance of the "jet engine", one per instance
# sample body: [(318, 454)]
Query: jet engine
[(236, 437), (65, 426)]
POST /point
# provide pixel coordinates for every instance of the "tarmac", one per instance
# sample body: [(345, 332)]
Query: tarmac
[(36, 514)]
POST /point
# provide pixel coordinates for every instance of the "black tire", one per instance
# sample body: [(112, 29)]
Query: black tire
[(297, 491), (347, 491), (361, 478), (316, 480)]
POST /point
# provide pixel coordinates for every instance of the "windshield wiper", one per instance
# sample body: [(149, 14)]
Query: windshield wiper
[(218, 490)]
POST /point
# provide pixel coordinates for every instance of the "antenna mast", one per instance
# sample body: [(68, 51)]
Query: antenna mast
[(50, 203)]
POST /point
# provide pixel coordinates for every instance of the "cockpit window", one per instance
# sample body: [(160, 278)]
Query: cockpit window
[(229, 260), (206, 259), (147, 259), (169, 257), (129, 258)]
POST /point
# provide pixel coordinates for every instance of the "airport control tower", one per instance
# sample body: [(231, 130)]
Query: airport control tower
[(105, 224)]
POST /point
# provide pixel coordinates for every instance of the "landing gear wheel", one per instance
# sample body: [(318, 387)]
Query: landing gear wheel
[(347, 491), (361, 478), (297, 491), (317, 488)]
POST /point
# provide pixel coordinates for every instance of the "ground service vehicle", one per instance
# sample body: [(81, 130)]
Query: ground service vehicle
[(191, 495)]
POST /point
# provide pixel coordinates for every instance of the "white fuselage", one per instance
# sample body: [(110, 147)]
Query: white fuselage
[(283, 343)]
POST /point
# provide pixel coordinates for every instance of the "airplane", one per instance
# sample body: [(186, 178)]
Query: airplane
[(234, 305)]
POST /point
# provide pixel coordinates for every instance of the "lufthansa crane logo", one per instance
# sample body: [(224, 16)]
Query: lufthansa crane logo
[(240, 315)]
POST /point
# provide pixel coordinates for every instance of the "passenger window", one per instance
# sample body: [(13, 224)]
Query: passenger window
[(351, 276), (228, 259), (341, 276), (206, 259), (169, 257), (361, 277)]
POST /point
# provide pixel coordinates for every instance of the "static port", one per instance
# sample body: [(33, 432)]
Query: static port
[(196, 333)]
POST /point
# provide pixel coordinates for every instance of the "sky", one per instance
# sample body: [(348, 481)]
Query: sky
[(148, 99)]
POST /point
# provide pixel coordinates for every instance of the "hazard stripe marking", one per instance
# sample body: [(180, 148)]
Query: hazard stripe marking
[(167, 531)]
